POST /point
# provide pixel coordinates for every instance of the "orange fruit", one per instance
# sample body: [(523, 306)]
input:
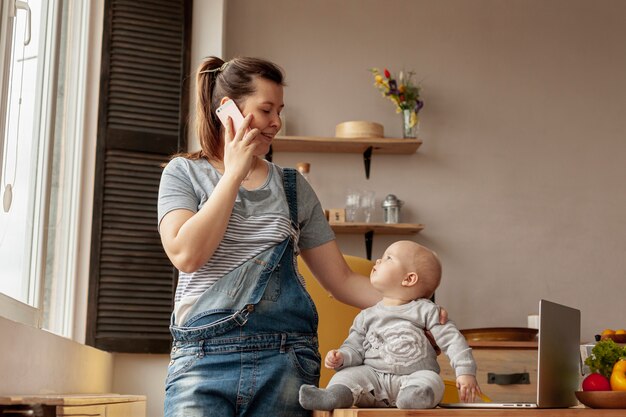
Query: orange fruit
[(620, 331), (607, 332)]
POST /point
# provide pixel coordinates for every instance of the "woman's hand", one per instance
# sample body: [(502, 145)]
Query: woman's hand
[(189, 238), (443, 319), (443, 315), (238, 148)]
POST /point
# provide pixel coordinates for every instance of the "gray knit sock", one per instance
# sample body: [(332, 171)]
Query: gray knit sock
[(335, 396), (416, 397)]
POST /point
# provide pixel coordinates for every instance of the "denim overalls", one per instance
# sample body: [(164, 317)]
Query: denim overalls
[(249, 341)]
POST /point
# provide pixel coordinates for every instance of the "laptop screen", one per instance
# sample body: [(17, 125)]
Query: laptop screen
[(559, 355)]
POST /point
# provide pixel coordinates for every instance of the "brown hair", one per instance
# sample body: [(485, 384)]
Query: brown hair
[(215, 79)]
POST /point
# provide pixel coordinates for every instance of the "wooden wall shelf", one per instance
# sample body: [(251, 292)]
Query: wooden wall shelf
[(366, 146), (381, 228), (345, 145), (368, 229)]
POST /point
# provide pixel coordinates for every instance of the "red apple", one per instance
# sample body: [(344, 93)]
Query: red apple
[(596, 382)]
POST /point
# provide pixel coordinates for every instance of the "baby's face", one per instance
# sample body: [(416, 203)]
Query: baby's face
[(389, 271)]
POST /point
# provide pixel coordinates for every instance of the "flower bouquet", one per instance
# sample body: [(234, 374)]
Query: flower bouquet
[(404, 94)]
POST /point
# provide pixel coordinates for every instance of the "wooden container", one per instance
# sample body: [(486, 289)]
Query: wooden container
[(501, 358), (493, 334), (359, 129)]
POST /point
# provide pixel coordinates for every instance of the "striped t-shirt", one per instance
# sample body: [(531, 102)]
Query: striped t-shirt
[(259, 221)]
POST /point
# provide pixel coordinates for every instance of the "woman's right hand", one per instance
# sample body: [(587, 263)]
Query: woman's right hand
[(239, 148), (190, 238)]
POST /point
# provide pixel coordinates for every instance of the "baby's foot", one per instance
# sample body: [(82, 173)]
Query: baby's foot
[(335, 396), (416, 397)]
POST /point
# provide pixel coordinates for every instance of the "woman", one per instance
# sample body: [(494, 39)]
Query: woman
[(244, 327)]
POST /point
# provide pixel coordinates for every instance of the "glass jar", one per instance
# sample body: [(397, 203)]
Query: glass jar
[(410, 124), (304, 168), (391, 209)]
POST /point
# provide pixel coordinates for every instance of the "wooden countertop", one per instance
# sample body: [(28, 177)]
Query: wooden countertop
[(70, 399), (449, 412)]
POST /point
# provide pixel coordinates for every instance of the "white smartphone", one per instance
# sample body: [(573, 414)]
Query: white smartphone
[(230, 109)]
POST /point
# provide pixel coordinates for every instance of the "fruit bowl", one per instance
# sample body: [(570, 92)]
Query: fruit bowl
[(602, 399), (617, 338)]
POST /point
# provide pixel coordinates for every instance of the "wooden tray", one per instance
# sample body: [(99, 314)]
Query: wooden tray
[(508, 334)]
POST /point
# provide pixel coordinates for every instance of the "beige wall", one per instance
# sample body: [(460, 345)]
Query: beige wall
[(38, 362), (141, 374), (520, 180)]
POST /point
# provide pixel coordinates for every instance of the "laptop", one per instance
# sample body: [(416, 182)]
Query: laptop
[(558, 366)]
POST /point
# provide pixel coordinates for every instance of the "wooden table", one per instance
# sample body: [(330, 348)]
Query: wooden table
[(449, 412), (96, 405)]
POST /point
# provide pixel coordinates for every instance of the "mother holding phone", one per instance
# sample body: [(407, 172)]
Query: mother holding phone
[(232, 223)]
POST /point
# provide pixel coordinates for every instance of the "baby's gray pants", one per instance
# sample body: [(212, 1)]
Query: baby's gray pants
[(372, 388)]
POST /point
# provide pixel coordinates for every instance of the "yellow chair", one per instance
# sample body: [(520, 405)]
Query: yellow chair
[(335, 318)]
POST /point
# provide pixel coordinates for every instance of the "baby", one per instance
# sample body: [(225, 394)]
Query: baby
[(387, 360)]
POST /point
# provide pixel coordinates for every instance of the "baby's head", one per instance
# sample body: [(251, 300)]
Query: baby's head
[(407, 271)]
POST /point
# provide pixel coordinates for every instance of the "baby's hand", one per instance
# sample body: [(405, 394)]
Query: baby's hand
[(334, 359), (468, 388)]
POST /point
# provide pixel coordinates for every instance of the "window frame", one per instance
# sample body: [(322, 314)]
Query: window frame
[(30, 312), (73, 116)]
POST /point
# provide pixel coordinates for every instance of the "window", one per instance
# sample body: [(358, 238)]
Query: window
[(142, 119), (42, 45), (24, 39)]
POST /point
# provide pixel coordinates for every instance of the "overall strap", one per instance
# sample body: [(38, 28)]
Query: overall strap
[(289, 184)]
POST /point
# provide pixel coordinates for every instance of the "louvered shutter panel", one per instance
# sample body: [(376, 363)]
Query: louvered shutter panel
[(142, 120)]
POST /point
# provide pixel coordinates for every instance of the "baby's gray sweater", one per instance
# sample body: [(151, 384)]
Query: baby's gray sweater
[(391, 339)]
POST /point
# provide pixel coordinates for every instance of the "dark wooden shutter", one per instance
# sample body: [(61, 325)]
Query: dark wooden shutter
[(142, 120)]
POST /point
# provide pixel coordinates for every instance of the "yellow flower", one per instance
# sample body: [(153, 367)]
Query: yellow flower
[(378, 79)]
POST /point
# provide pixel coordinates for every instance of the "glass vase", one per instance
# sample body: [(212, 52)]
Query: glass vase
[(409, 127)]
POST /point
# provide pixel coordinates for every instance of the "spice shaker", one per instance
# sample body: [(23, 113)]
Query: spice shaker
[(304, 168), (391, 209)]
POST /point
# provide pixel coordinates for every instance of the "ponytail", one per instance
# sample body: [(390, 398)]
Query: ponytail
[(207, 123)]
